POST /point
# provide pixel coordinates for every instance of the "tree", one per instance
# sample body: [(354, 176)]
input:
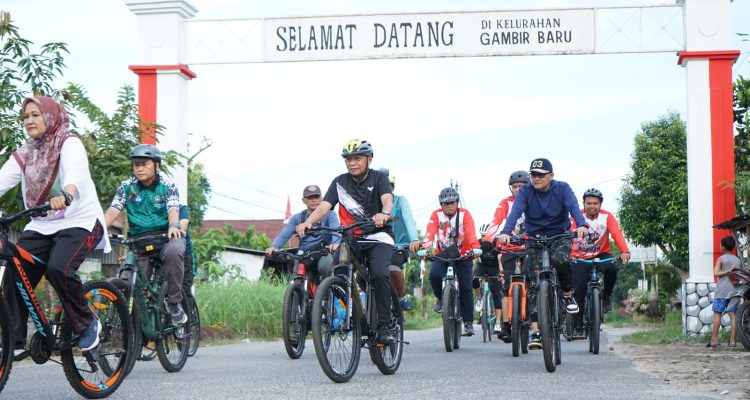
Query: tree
[(742, 144), (653, 205), (199, 189), (23, 73)]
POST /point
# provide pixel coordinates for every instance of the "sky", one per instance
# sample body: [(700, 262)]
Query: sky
[(278, 127)]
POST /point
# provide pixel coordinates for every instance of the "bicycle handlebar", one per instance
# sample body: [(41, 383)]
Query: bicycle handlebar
[(598, 261), (343, 229), (32, 212)]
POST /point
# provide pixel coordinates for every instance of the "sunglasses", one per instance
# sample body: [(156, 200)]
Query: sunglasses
[(538, 175), (313, 197)]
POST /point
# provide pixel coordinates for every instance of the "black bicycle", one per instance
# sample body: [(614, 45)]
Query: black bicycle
[(194, 321), (295, 312), (550, 306), (344, 316), (93, 374), (593, 314), (146, 302), (451, 303)]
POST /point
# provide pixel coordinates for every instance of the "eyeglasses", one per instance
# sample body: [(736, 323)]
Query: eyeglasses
[(313, 197), (538, 175)]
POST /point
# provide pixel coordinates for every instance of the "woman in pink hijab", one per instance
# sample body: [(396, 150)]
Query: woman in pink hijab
[(52, 166)]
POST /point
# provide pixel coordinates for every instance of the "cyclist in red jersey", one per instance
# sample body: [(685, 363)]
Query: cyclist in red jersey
[(516, 180), (452, 227), (363, 193), (595, 244)]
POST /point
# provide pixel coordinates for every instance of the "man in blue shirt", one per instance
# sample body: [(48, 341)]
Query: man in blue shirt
[(311, 196), (405, 235), (547, 205)]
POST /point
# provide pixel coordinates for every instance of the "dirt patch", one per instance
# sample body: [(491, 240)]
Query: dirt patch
[(211, 333), (723, 372)]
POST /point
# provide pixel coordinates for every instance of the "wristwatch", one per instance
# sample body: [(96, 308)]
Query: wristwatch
[(174, 225)]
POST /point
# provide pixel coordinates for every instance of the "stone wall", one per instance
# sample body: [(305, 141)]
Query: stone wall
[(697, 315)]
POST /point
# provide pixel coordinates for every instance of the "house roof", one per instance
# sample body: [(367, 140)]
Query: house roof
[(270, 227)]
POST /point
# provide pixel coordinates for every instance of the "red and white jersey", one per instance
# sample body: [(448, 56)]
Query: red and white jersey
[(498, 223), (597, 240), (442, 230)]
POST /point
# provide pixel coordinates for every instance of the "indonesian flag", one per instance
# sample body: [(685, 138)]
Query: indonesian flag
[(288, 213)]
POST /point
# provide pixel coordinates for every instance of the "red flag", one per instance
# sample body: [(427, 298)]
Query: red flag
[(288, 213)]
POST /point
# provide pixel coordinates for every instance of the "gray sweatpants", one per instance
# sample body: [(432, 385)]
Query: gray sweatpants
[(173, 257)]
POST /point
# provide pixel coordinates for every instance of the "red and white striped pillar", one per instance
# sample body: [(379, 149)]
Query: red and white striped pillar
[(710, 133), (162, 78)]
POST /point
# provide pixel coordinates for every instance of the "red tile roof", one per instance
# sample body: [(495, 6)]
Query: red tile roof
[(271, 227)]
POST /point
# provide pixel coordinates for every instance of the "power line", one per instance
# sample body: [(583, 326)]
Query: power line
[(245, 202), (245, 186)]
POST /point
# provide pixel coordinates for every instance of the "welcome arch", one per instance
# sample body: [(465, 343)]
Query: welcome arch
[(698, 31)]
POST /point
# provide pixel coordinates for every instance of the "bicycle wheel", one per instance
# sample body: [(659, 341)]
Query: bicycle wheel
[(596, 321), (293, 323), (173, 343), (557, 328), (457, 328), (194, 333), (569, 327), (484, 318), (515, 324), (337, 344), (449, 309), (135, 322), (114, 346), (388, 358), (6, 346), (545, 324), (742, 323)]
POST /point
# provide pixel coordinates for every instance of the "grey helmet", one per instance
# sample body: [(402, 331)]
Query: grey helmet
[(593, 193), (357, 147), (148, 151), (518, 176), (448, 195)]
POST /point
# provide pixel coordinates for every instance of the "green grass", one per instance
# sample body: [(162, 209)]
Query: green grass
[(669, 331), (422, 316)]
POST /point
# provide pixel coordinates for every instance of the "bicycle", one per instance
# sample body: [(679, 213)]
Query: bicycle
[(550, 305), (593, 309), (451, 303), (146, 302), (295, 312), (93, 374), (344, 319), (194, 330), (519, 311)]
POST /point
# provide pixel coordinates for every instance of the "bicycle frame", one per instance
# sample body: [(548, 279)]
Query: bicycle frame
[(518, 282)]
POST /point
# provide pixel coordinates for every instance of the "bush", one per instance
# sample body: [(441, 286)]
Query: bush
[(636, 302)]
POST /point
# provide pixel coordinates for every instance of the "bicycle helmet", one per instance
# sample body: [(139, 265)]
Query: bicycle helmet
[(518, 176), (357, 147), (391, 178), (593, 193), (147, 151), (448, 195)]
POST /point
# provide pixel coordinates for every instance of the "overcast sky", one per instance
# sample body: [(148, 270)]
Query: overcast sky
[(278, 127)]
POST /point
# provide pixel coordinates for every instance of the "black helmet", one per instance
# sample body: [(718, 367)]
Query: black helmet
[(148, 151), (518, 176), (357, 147), (593, 193), (391, 178), (448, 195)]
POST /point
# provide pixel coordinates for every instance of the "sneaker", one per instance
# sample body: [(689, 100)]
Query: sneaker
[(607, 303), (468, 329), (438, 307), (384, 336), (570, 304), (504, 334), (478, 305), (578, 333), (497, 330), (406, 304), (535, 343), (178, 316), (90, 336)]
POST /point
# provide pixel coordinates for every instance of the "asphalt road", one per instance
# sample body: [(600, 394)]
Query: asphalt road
[(262, 370)]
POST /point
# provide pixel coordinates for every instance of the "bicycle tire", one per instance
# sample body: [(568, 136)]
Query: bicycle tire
[(449, 328), (388, 358), (336, 347), (742, 323), (135, 322), (171, 349), (114, 343), (484, 318), (515, 324), (557, 306), (6, 335), (293, 324), (545, 325), (596, 321), (569, 327), (457, 327), (194, 333), (525, 335)]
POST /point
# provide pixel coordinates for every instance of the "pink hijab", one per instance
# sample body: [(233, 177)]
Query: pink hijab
[(39, 158)]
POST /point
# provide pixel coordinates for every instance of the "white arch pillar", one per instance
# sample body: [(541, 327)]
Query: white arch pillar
[(162, 79), (710, 133)]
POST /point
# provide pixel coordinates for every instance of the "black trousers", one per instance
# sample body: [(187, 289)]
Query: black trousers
[(378, 255), (64, 252)]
